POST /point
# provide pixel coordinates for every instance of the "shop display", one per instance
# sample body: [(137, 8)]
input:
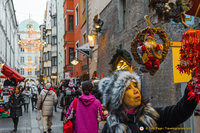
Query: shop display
[(171, 9), (190, 59), (147, 52), (121, 60)]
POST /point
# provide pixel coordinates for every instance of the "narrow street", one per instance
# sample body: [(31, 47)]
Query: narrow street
[(29, 124)]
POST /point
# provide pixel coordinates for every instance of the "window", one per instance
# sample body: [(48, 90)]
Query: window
[(49, 71), (76, 13), (121, 13), (49, 38), (77, 45), (29, 58), (54, 40), (84, 38), (71, 23), (29, 73), (71, 55), (22, 71), (49, 55), (22, 60), (65, 25), (54, 21), (35, 59), (54, 61), (65, 53), (83, 6), (22, 50)]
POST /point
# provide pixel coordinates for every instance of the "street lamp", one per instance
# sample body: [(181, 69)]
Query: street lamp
[(74, 62), (91, 40)]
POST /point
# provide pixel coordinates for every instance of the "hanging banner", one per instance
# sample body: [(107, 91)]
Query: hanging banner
[(178, 77)]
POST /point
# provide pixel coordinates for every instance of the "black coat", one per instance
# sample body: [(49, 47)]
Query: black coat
[(169, 117), (16, 103)]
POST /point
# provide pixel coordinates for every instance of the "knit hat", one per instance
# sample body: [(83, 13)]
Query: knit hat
[(113, 88)]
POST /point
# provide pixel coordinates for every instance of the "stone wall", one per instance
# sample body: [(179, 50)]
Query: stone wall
[(160, 89)]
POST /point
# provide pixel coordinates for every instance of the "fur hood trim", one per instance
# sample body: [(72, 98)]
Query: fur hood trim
[(113, 88), (148, 117)]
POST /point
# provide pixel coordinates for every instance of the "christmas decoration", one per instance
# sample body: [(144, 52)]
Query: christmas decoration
[(171, 9), (30, 42), (121, 60), (29, 67), (190, 59), (147, 52)]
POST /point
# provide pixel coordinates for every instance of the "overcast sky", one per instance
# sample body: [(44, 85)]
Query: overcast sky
[(35, 8)]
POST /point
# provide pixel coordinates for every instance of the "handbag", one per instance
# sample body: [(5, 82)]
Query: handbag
[(38, 115), (43, 101), (70, 124)]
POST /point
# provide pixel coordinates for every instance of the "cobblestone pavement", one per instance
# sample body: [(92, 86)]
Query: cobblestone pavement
[(29, 124)]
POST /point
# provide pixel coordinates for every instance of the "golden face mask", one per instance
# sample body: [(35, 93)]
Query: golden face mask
[(132, 96)]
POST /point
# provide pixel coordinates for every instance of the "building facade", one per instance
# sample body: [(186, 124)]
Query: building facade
[(28, 31), (54, 42), (95, 7), (60, 39), (9, 52), (46, 52), (123, 20)]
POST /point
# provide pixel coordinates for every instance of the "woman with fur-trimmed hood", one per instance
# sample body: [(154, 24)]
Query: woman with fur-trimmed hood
[(130, 113)]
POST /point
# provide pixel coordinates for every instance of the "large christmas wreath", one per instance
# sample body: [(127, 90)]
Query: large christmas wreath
[(147, 52)]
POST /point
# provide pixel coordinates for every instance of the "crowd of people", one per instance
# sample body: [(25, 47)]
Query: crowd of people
[(119, 94)]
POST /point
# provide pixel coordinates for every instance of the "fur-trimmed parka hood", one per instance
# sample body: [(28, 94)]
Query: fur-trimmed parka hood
[(113, 88)]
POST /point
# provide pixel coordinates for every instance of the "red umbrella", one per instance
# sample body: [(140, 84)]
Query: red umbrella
[(4, 77), (193, 10), (12, 73)]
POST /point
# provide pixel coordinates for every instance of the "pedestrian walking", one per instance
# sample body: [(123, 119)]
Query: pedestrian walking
[(35, 94), (66, 98), (88, 111), (27, 95), (57, 94), (130, 113), (39, 88), (15, 102), (47, 99)]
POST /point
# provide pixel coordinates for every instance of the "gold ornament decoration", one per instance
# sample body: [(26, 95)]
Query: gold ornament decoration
[(145, 50), (31, 43)]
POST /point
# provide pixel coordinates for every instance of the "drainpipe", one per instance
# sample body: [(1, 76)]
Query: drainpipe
[(57, 39), (87, 32)]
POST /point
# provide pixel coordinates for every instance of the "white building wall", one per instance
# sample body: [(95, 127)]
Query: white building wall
[(8, 34), (26, 55), (48, 17), (60, 38)]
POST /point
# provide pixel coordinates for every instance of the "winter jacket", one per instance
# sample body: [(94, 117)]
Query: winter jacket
[(34, 92), (51, 99), (15, 103), (88, 112), (169, 117), (27, 96)]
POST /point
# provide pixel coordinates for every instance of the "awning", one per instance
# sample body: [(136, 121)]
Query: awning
[(12, 73), (4, 77)]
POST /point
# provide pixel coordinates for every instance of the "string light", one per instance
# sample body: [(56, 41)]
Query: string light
[(29, 67), (30, 43)]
